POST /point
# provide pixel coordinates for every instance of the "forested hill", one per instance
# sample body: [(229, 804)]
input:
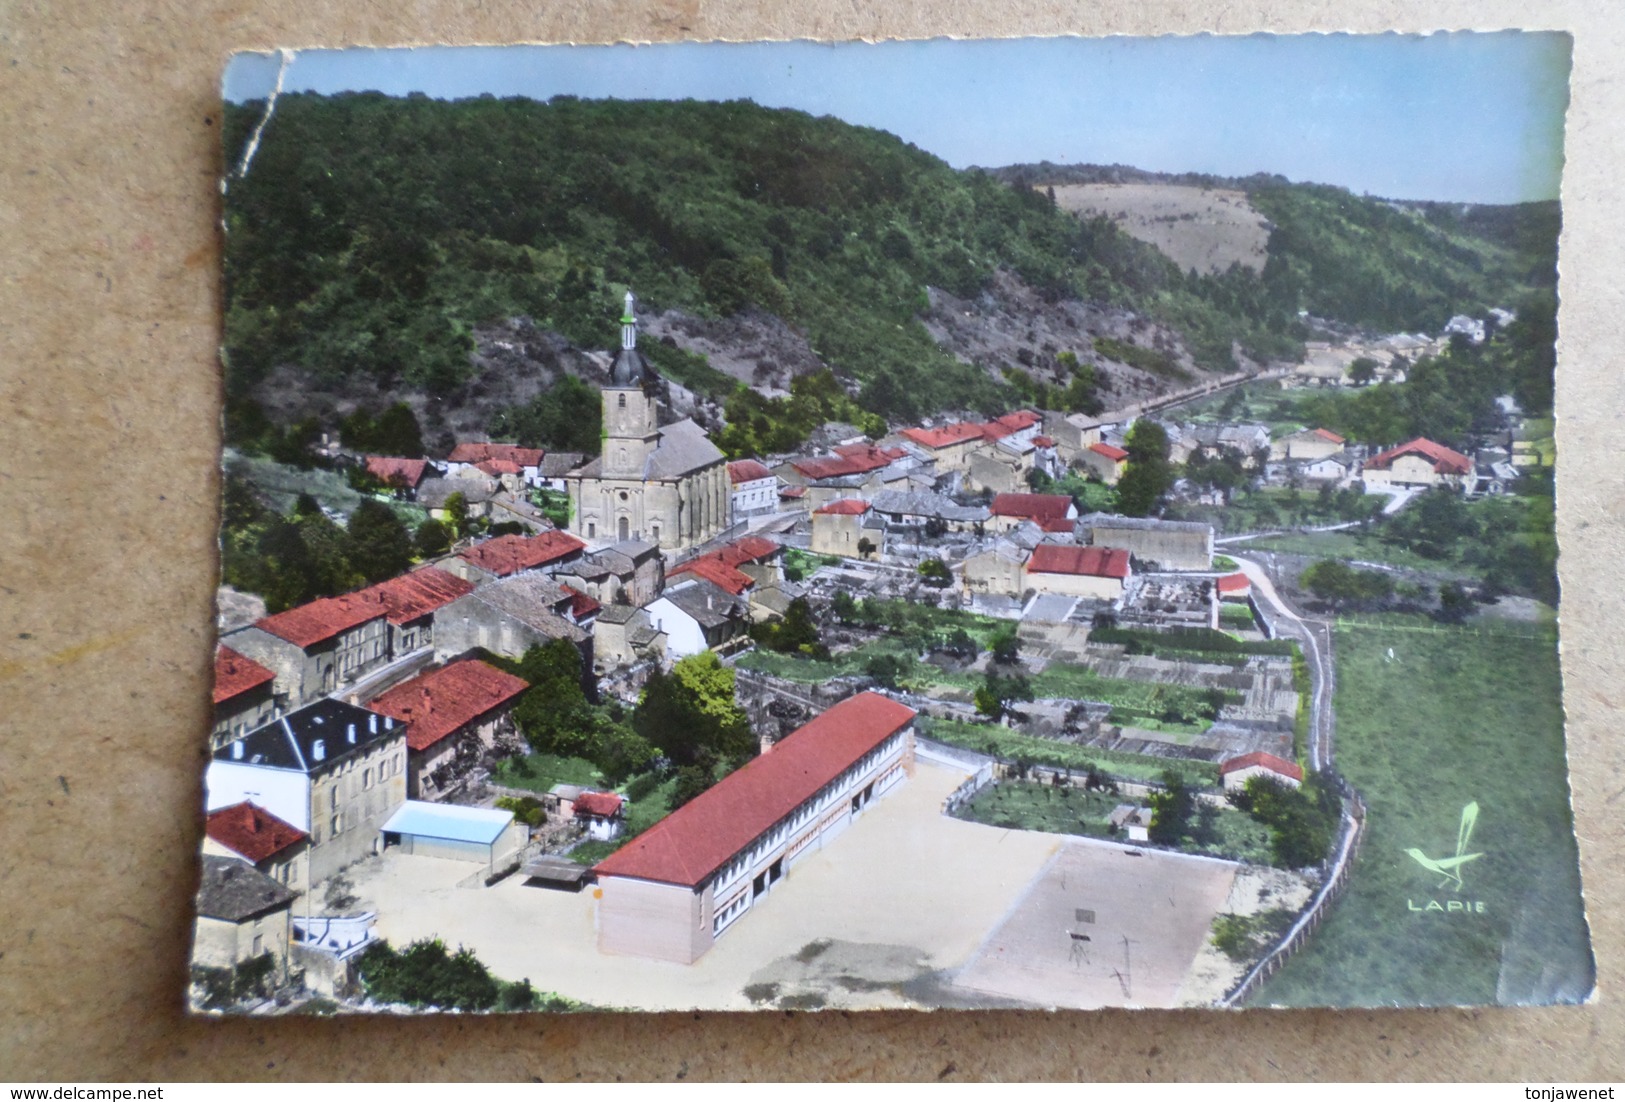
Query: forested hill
[(372, 235), (1379, 263)]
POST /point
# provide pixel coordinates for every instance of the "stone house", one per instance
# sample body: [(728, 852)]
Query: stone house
[(510, 616), (602, 814), (997, 571), (500, 461), (1104, 461), (452, 715), (1051, 512), (755, 489), (697, 615), (278, 849), (331, 769), (241, 914), (1419, 464), (841, 526), (403, 476), (1170, 544), (244, 696), (1098, 573), (1236, 772), (505, 556), (625, 635), (1307, 444)]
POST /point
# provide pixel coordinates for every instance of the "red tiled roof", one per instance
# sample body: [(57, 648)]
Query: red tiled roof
[(441, 702), (479, 453), (397, 472), (1328, 434), (869, 453), (605, 805), (1265, 760), (496, 468), (403, 599), (850, 459), (1115, 454), (1233, 583), (1058, 524), (698, 838), (792, 491), (1043, 441), (235, 673), (722, 565), (846, 507), (582, 605), (1038, 507), (252, 831), (1094, 562), (1444, 460), (947, 435), (510, 554), (747, 470), (1020, 419)]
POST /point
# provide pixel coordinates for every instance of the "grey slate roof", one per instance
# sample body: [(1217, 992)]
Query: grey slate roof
[(710, 605), (235, 891), (684, 448), (433, 492), (1142, 524), (558, 464), (926, 504), (291, 742), (530, 599), (617, 614)]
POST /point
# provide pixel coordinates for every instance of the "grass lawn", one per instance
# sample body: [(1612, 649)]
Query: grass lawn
[(1349, 546), (540, 772), (1455, 717), (987, 738), (1019, 805)]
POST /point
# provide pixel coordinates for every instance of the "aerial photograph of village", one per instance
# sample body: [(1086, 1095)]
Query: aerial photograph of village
[(1032, 523)]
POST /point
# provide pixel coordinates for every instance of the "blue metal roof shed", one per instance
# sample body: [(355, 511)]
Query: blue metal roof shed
[(452, 832)]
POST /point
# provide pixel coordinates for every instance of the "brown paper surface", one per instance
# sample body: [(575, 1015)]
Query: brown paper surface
[(109, 439)]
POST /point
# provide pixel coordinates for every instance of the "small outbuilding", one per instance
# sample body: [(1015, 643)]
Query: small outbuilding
[(1236, 772)]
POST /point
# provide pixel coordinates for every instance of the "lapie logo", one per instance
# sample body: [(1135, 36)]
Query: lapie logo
[(1450, 868)]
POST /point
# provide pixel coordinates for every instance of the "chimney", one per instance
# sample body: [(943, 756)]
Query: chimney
[(237, 749), (351, 733), (318, 750)]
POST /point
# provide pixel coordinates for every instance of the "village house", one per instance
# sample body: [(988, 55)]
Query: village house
[(521, 465), (1233, 587), (624, 635), (601, 814), (241, 914), (453, 715), (633, 572), (510, 616), (755, 489), (1169, 544), (1243, 441), (319, 648), (950, 446), (1051, 512), (919, 510), (555, 469), (331, 769), (998, 570), (855, 470), (434, 494), (1236, 772), (665, 484), (697, 615), (1307, 444), (671, 891), (1328, 469), (738, 566), (1096, 573), (280, 850), (1104, 461), (1418, 464), (842, 527), (243, 696), (403, 476), (508, 555), (1072, 433)]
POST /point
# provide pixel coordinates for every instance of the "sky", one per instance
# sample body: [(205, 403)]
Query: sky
[(1461, 117)]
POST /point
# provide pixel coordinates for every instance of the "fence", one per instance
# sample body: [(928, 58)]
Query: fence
[(1337, 878)]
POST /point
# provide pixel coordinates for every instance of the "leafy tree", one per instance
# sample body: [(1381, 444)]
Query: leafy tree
[(567, 416), (935, 573), (866, 547), (379, 544), (844, 606), (1147, 475), (457, 518), (1363, 370), (554, 714), (1455, 604), (1005, 645), (1337, 582), (426, 974), (796, 632), (1171, 809), (887, 669), (1302, 820), (692, 780), (432, 539), (690, 714), (996, 693)]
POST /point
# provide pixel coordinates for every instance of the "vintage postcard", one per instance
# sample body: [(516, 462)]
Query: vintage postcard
[(1052, 523)]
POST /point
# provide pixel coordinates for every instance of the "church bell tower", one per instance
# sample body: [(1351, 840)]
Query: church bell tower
[(631, 424)]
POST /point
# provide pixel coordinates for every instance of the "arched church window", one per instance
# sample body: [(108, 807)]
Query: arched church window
[(625, 529)]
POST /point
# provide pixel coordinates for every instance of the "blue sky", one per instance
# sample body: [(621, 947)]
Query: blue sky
[(1468, 117)]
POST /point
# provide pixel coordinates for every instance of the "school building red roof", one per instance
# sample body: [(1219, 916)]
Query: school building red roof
[(479, 453), (252, 831), (1444, 460), (698, 838), (1110, 451), (510, 554), (747, 470), (1260, 759), (403, 599), (847, 507), (1094, 562), (441, 702), (397, 472), (235, 674), (722, 565)]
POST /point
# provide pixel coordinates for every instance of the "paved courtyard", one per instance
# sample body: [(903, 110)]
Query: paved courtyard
[(883, 917)]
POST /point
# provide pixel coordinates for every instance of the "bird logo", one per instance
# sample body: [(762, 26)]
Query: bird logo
[(1450, 867)]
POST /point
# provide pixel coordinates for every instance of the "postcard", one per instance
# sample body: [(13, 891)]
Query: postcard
[(1036, 523)]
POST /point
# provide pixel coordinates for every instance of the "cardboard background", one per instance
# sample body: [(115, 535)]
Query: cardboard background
[(109, 404)]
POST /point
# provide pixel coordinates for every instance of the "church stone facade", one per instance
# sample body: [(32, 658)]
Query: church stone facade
[(664, 484)]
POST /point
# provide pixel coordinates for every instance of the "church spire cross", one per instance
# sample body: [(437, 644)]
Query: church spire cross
[(629, 326)]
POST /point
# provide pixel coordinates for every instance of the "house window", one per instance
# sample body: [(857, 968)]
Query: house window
[(336, 824), (334, 792), (656, 530), (259, 944), (592, 530), (366, 778)]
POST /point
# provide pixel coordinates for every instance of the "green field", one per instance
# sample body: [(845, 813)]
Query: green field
[(1455, 717), (1001, 742)]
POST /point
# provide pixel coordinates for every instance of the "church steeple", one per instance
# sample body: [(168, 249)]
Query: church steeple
[(631, 424), (631, 369), (629, 325)]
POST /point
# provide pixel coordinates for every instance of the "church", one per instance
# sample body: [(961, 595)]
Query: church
[(667, 484)]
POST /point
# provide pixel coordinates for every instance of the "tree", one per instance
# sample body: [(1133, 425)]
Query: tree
[(866, 547), (996, 693), (796, 632), (1171, 810), (692, 780), (1006, 646), (690, 713), (457, 515), (554, 714), (844, 606), (1455, 604), (888, 670), (1338, 583), (379, 545), (935, 573), (1363, 370), (432, 539), (426, 974), (1147, 475)]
